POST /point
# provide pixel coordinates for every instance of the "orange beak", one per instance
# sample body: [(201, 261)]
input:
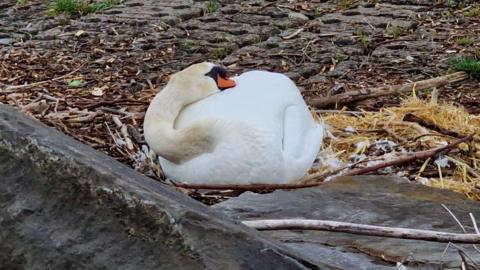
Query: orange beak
[(225, 83)]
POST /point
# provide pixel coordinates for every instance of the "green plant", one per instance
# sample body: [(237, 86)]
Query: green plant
[(473, 12), (76, 83), (220, 53), (103, 5), (344, 3), (317, 12), (364, 39), (339, 57), (212, 6), (186, 44), (465, 41), (396, 31), (467, 64), (20, 2), (477, 54), (64, 6), (451, 3), (79, 6)]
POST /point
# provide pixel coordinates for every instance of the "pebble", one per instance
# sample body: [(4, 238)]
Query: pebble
[(297, 16), (6, 41)]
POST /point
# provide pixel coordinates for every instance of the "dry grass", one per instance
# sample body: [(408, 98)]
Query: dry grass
[(357, 136)]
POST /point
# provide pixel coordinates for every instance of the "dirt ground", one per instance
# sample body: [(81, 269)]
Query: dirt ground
[(92, 76)]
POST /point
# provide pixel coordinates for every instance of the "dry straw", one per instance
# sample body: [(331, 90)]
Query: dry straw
[(357, 135)]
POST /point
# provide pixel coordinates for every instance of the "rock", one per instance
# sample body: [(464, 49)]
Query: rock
[(64, 205), (374, 200), (342, 68), (376, 21), (6, 41), (231, 9), (344, 41), (296, 16)]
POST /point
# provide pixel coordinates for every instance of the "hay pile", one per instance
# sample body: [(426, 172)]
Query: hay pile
[(365, 138)]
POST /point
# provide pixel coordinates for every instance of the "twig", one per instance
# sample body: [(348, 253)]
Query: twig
[(115, 111), (317, 177), (294, 34), (463, 255), (116, 102), (342, 111), (14, 88), (409, 158), (454, 217), (459, 223), (386, 130), (126, 136), (86, 118), (474, 223), (362, 229), (363, 94), (416, 139), (409, 117)]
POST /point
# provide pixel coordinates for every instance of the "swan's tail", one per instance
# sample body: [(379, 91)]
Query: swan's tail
[(299, 165)]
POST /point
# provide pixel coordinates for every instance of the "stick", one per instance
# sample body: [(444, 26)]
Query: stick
[(294, 34), (316, 181), (361, 94), (14, 88), (409, 158), (409, 117), (116, 102), (362, 229)]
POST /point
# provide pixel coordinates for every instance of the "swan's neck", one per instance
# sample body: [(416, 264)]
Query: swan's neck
[(175, 145)]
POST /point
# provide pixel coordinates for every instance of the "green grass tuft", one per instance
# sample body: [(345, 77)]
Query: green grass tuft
[(465, 41), (339, 57), (104, 5), (80, 6), (467, 64), (473, 12), (212, 6), (186, 44), (220, 53), (344, 3), (364, 39), (64, 6), (397, 31)]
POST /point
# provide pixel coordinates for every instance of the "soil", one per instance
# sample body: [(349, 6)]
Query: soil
[(98, 72)]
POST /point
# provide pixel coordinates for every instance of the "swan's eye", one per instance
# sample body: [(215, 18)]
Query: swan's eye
[(215, 72), (219, 75)]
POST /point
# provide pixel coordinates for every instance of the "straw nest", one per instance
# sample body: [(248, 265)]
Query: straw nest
[(365, 138)]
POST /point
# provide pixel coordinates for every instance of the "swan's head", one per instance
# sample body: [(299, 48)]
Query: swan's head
[(199, 81)]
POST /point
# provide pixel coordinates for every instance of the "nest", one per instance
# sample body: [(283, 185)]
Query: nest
[(361, 138)]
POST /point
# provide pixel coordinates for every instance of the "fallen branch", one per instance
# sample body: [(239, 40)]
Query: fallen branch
[(409, 158), (362, 94), (362, 229), (318, 180), (409, 117)]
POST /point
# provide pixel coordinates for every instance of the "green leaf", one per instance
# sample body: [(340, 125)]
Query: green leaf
[(76, 83)]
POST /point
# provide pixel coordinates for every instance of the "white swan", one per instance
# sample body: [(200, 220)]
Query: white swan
[(257, 132)]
